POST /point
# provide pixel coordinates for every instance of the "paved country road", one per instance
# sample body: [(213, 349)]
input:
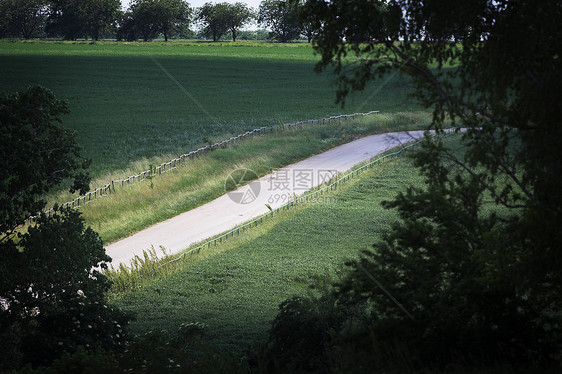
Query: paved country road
[(249, 201)]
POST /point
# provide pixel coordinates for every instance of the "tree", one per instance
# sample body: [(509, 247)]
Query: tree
[(25, 18), (64, 20), (307, 28), (127, 29), (213, 19), (35, 155), (139, 21), (4, 24), (219, 18), (52, 293), (236, 16), (471, 270), (100, 15), (82, 18), (166, 17), (282, 17), (173, 17)]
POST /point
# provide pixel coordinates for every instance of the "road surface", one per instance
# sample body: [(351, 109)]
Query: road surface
[(249, 201)]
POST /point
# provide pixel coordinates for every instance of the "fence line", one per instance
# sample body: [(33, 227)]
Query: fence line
[(173, 164), (298, 200)]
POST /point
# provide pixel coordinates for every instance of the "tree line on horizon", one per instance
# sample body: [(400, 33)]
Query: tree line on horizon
[(150, 19)]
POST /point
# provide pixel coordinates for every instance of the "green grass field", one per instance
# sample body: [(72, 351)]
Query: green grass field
[(235, 289), (131, 101)]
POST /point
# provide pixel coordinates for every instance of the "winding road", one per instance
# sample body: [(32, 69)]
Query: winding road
[(249, 201)]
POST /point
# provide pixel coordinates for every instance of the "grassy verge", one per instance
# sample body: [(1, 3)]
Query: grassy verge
[(235, 289), (138, 206), (125, 107)]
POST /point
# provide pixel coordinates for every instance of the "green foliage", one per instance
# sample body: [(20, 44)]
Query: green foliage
[(139, 271), (22, 18), (282, 17), (35, 154), (153, 352), (450, 279), (164, 352), (218, 18), (149, 18), (73, 19), (128, 29), (138, 21), (259, 34), (457, 280), (237, 15), (301, 336), (213, 19), (53, 293), (80, 361)]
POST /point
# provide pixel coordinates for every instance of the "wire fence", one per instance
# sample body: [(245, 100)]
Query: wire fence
[(173, 164), (311, 196)]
